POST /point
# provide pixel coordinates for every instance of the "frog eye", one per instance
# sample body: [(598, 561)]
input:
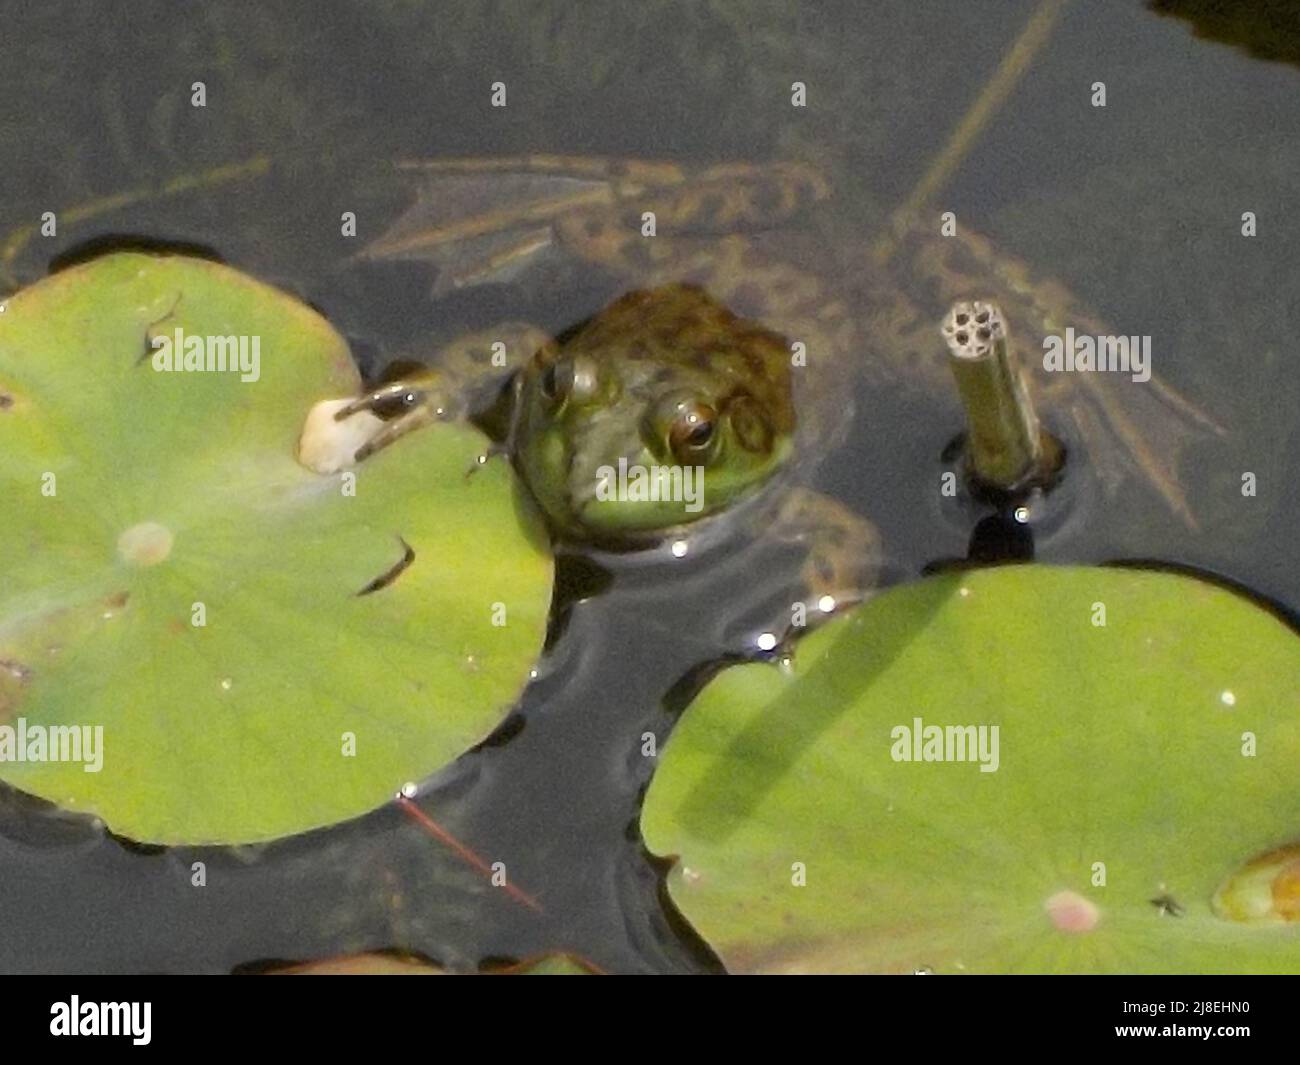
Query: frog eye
[(556, 381), (692, 432), (569, 378)]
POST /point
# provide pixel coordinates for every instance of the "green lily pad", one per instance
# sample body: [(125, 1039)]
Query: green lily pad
[(134, 494), (1125, 792)]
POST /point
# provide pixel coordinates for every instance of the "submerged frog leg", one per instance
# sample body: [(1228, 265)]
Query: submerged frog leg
[(1128, 429), (715, 227), (727, 202), (489, 219), (844, 551), (1151, 438), (1056, 307), (1150, 423), (482, 220)]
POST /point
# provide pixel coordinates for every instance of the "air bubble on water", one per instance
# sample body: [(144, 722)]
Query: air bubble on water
[(1021, 515), (963, 592), (409, 790), (766, 641), (690, 875), (680, 547), (1228, 699), (826, 604), (225, 684), (532, 674)]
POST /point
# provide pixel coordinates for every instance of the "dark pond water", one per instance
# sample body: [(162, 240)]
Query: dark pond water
[(1137, 207)]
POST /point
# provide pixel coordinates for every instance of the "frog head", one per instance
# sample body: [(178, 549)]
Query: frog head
[(663, 409)]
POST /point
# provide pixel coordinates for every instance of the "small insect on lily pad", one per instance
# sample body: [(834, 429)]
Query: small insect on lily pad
[(1025, 769), (201, 641)]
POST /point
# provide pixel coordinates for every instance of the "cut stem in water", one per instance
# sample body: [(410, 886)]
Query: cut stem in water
[(1006, 448)]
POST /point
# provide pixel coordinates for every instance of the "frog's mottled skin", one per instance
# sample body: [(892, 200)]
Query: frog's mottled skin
[(662, 377), (715, 334), (731, 311)]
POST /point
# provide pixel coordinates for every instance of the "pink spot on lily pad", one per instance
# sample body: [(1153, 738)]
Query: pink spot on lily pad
[(1071, 912)]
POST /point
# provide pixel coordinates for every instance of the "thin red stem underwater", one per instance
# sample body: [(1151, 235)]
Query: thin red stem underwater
[(462, 851)]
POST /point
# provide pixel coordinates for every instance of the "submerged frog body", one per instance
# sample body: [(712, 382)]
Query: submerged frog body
[(738, 347)]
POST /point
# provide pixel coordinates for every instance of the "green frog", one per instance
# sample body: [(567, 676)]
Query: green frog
[(734, 351)]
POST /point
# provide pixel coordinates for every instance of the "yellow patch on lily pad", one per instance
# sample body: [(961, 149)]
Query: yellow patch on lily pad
[(1266, 890)]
